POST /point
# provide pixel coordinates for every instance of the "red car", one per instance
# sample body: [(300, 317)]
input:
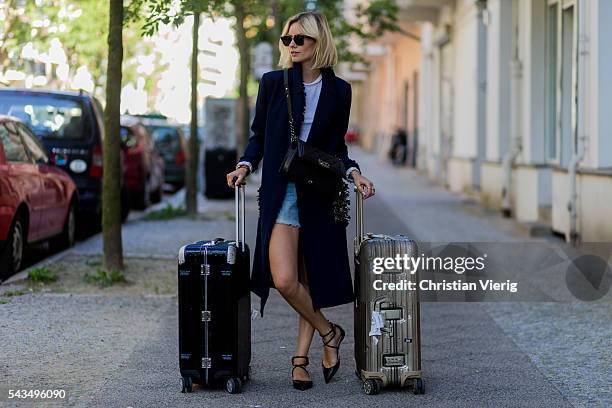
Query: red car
[(38, 201), (352, 135), (144, 167)]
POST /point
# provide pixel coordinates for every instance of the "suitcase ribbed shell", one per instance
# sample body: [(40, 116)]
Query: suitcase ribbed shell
[(396, 358)]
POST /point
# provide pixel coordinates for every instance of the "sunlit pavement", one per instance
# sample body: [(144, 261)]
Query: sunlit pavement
[(474, 354)]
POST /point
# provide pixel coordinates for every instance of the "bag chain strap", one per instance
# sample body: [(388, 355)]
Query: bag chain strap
[(291, 129)]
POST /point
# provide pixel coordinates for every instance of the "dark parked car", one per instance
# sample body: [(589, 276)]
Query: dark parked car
[(170, 142), (144, 167), (38, 201), (70, 126)]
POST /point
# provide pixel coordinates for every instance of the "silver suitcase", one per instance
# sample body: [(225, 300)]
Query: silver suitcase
[(387, 328)]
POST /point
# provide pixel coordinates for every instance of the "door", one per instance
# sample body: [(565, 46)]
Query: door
[(54, 206), (24, 176), (155, 160)]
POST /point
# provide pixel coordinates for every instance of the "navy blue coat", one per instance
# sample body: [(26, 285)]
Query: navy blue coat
[(322, 240)]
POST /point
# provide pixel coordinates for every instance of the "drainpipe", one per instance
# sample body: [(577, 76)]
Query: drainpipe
[(578, 150), (515, 147), (577, 156)]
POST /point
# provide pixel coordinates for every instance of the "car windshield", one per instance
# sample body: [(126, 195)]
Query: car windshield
[(165, 136), (49, 117)]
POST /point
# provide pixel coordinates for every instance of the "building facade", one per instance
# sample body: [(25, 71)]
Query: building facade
[(513, 105)]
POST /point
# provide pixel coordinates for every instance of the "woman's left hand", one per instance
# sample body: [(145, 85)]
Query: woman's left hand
[(365, 186)]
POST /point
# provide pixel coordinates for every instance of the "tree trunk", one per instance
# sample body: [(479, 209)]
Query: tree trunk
[(191, 191), (245, 66), (111, 181), (276, 30)]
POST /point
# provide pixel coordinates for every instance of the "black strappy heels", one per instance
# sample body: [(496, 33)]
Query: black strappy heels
[(328, 373), (301, 385)]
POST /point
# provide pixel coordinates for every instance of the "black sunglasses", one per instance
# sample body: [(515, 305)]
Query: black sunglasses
[(298, 38)]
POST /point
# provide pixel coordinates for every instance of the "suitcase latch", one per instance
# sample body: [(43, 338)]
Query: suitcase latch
[(397, 360), (206, 315), (205, 269), (206, 362)]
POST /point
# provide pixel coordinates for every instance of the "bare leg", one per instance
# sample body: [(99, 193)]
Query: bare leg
[(305, 329), (283, 253), (329, 354)]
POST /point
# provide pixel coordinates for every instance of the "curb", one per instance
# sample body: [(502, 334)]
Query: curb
[(23, 274)]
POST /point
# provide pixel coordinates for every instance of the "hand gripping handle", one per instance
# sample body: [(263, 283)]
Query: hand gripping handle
[(359, 216), (239, 214)]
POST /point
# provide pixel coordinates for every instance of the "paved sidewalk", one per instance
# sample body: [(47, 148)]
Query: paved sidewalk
[(468, 359), (569, 342), (122, 352)]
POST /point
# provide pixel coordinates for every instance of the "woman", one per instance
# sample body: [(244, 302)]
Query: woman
[(301, 245)]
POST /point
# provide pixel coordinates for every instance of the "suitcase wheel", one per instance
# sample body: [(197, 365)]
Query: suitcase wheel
[(187, 384), (418, 386), (371, 386), (233, 385)]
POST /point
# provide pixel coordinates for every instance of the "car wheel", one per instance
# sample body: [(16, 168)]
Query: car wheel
[(12, 255), (66, 238)]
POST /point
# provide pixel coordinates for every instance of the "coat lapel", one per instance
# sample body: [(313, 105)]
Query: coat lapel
[(324, 110), (298, 97)]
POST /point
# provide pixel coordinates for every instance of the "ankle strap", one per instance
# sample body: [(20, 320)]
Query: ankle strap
[(332, 332), (304, 364)]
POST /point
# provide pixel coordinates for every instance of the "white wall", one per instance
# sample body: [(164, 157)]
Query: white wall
[(426, 96), (465, 42), (532, 24), (499, 32)]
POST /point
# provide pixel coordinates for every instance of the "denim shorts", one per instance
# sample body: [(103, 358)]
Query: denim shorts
[(288, 213)]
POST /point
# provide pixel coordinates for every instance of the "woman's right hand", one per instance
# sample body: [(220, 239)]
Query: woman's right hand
[(239, 174)]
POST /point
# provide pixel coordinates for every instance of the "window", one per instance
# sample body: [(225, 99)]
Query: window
[(36, 149), (13, 147), (49, 116), (551, 82), (561, 39)]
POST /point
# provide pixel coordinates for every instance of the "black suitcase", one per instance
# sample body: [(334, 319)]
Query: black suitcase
[(215, 309), (217, 163)]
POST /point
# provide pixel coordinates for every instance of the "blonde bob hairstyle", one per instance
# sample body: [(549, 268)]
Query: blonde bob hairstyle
[(313, 24)]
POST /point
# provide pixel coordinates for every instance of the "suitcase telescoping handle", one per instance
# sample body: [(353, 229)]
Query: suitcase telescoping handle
[(359, 216), (239, 215)]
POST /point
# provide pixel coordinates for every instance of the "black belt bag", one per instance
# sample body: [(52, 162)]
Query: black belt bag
[(307, 165)]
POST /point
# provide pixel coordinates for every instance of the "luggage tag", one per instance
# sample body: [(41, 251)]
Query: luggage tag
[(181, 255), (231, 254), (377, 322)]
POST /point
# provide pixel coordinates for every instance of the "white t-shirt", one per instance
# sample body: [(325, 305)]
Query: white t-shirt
[(313, 90)]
